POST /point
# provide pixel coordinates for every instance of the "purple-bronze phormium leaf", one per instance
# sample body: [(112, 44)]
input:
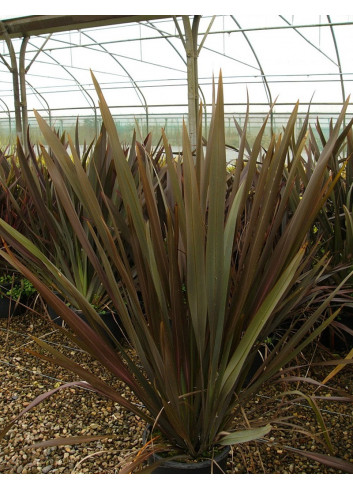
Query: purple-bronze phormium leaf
[(331, 461)]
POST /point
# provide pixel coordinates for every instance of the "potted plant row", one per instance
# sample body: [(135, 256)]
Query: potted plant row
[(48, 227), (335, 224)]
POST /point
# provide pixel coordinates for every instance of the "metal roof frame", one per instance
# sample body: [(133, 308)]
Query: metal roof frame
[(33, 25), (187, 30), (24, 27)]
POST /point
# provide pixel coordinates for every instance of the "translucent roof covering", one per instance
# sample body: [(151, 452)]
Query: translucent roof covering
[(141, 67)]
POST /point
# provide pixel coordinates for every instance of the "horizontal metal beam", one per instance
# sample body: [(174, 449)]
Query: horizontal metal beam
[(230, 114), (43, 24), (33, 25)]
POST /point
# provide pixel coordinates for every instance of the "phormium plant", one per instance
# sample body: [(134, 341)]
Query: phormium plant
[(217, 264)]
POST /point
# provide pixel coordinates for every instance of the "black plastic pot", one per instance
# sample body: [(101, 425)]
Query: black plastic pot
[(9, 306), (216, 466), (109, 318), (338, 339), (338, 336), (257, 362)]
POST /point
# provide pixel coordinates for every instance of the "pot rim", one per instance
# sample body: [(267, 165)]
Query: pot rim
[(202, 464)]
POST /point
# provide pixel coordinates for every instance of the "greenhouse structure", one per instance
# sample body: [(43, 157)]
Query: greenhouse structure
[(156, 69), (176, 257)]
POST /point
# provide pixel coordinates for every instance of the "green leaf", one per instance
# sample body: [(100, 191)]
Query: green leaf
[(215, 221), (318, 415), (245, 435), (262, 315), (195, 247)]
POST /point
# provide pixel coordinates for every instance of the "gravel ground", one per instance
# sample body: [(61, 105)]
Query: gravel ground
[(77, 412)]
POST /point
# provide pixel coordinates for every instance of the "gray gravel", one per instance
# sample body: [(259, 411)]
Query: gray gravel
[(75, 412)]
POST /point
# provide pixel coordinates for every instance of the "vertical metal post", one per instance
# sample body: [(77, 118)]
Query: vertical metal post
[(19, 85), (22, 76), (16, 88)]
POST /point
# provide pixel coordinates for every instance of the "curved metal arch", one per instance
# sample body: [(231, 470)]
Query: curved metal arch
[(3, 59), (93, 45), (338, 58), (164, 34), (264, 79), (135, 85), (307, 40), (338, 63), (213, 50), (38, 94), (9, 116), (84, 91)]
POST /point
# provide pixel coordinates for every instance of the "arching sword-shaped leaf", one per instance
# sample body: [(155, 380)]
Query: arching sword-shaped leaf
[(195, 247), (215, 273), (244, 435)]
